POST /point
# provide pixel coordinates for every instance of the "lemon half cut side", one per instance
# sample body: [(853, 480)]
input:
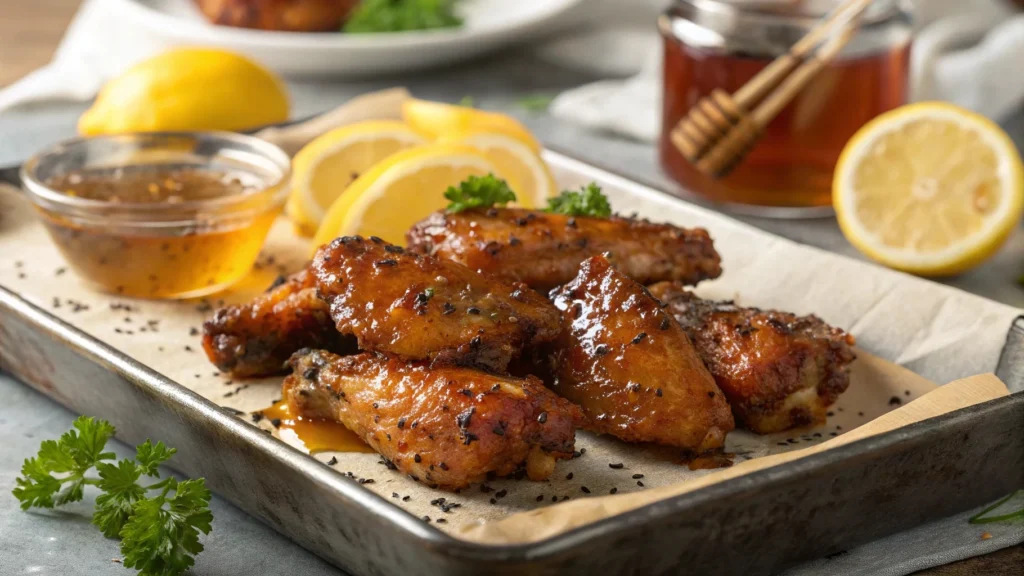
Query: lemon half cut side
[(929, 188)]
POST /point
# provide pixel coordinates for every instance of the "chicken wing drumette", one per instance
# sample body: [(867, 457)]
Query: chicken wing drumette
[(778, 370), (445, 426), (426, 308), (545, 250), (631, 367), (257, 338)]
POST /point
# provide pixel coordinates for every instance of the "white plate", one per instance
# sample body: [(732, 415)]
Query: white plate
[(490, 24)]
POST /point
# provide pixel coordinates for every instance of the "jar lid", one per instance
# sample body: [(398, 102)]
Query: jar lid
[(769, 27)]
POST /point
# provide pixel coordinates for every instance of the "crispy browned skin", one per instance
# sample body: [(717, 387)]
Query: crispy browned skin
[(631, 367), (545, 250), (285, 15), (447, 427), (778, 370), (257, 338), (425, 308)]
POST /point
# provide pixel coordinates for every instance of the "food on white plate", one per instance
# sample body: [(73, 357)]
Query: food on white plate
[(280, 15)]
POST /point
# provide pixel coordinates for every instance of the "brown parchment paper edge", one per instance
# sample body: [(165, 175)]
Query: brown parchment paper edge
[(537, 525)]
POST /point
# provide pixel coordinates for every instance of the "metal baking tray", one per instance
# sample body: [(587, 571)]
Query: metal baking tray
[(759, 523)]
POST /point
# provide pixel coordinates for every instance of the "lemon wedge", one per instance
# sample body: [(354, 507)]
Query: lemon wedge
[(514, 160), (400, 191), (929, 188), (325, 167), (435, 119)]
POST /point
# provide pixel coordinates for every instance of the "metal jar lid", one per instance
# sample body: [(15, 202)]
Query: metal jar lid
[(767, 28)]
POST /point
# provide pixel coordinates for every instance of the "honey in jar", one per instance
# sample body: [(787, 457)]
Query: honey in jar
[(721, 44)]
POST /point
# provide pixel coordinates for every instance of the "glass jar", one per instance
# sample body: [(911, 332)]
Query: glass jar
[(722, 44)]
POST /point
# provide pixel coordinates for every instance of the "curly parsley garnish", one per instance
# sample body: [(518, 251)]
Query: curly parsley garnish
[(589, 201), (372, 16), (479, 192), (159, 534)]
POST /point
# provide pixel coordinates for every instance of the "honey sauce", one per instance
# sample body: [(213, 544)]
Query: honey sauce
[(313, 434), (165, 234)]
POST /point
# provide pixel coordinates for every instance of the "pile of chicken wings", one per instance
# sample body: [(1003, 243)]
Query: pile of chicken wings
[(481, 346)]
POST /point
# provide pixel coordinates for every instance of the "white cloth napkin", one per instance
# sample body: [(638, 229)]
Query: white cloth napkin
[(970, 53)]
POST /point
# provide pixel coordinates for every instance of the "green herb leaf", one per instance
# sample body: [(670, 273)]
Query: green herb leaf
[(162, 535), (151, 456), (589, 201), (536, 102), (372, 16), (121, 491), (983, 517), (36, 487), (479, 192), (74, 454)]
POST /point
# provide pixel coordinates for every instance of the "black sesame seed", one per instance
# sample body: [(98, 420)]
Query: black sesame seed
[(386, 262), (276, 422), (498, 430), (447, 308), (501, 493), (376, 240), (332, 461), (613, 490), (584, 489), (417, 458), (664, 324), (540, 498), (658, 392), (401, 422), (601, 350), (472, 310), (392, 249), (542, 417), (406, 498), (569, 476), (711, 393), (639, 483), (616, 466), (639, 337)]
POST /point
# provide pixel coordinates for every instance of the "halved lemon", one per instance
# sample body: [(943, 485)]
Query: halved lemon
[(326, 167), (435, 119), (514, 160), (402, 190), (929, 188)]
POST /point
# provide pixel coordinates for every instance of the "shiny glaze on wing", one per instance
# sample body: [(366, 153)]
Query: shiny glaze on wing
[(257, 338), (425, 308), (447, 427), (778, 370), (631, 367), (545, 250)]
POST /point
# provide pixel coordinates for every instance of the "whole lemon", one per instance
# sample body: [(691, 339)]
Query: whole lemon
[(188, 89)]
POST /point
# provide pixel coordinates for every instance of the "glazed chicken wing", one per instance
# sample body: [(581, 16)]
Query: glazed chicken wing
[(778, 370), (445, 426), (545, 250), (257, 338), (425, 308), (631, 367), (287, 15)]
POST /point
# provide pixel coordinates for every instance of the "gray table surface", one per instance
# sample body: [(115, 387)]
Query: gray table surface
[(64, 542)]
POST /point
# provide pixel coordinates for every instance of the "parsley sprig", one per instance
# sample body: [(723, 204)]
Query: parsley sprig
[(372, 16), (479, 192), (589, 201), (159, 534)]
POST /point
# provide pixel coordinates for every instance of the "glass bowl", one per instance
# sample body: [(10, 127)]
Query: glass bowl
[(175, 247)]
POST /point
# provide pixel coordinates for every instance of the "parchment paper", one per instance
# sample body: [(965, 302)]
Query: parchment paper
[(939, 332)]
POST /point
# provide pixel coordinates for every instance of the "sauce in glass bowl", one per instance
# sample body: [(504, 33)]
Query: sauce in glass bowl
[(173, 224)]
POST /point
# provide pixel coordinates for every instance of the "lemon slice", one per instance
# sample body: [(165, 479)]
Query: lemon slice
[(329, 164), (514, 160), (400, 191), (929, 188), (437, 118)]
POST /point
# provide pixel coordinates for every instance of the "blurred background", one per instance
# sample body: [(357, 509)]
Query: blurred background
[(602, 80)]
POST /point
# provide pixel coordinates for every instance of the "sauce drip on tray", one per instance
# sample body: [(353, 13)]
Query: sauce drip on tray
[(313, 434)]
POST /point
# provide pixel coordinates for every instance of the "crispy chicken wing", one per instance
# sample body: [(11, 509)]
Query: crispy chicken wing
[(778, 370), (545, 250), (445, 426), (631, 367), (257, 338), (425, 308)]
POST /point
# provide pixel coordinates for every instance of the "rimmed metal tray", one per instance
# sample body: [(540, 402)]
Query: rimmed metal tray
[(759, 523)]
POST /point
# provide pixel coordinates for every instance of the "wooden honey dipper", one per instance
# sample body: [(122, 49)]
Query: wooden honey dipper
[(719, 130)]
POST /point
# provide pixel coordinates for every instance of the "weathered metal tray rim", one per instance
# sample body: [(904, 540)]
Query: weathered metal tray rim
[(153, 382)]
